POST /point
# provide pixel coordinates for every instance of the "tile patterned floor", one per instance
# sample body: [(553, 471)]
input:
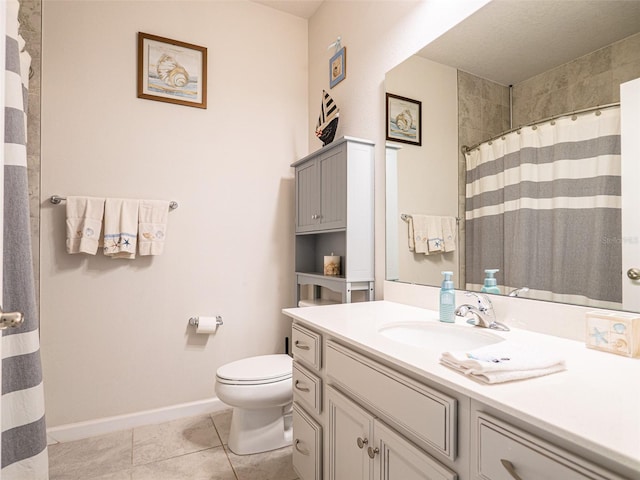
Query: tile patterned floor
[(193, 448)]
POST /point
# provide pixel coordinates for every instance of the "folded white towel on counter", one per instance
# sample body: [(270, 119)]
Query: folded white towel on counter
[(84, 224), (120, 227), (152, 226), (503, 362)]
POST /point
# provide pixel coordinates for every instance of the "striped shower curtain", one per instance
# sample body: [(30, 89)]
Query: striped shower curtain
[(24, 445), (543, 206)]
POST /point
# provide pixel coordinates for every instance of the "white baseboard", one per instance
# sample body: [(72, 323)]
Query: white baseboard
[(101, 426)]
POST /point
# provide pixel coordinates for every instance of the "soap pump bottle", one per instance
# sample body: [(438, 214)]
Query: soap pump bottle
[(490, 282), (447, 299)]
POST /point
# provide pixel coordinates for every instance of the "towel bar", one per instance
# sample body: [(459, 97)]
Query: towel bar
[(406, 217), (57, 199)]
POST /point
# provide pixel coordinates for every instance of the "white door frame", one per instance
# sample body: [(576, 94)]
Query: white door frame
[(3, 31), (630, 240)]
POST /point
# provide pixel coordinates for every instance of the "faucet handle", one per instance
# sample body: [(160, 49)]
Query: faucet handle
[(517, 291), (484, 302)]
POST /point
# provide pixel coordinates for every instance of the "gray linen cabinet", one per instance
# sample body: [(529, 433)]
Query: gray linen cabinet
[(334, 214)]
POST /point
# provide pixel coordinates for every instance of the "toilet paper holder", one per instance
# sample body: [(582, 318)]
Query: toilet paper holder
[(196, 320)]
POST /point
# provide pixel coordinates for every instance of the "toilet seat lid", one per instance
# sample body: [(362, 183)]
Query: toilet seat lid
[(256, 370)]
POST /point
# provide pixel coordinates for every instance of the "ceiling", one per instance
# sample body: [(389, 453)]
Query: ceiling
[(299, 8), (509, 41)]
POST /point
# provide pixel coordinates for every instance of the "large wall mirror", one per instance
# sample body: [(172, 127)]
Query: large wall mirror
[(521, 154)]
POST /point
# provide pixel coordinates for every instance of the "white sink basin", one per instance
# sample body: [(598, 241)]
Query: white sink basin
[(439, 336)]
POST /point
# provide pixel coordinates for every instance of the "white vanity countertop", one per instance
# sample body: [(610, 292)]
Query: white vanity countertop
[(594, 403)]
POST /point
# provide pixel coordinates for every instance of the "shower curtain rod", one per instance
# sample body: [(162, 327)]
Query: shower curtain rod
[(464, 149)]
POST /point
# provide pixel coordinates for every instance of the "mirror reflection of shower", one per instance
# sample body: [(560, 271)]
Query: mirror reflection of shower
[(424, 183)]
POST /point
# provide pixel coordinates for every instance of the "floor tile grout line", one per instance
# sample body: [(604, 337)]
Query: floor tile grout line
[(233, 469)]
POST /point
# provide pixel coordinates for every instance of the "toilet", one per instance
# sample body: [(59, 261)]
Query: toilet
[(260, 391)]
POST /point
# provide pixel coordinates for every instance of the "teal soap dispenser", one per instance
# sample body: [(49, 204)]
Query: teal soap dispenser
[(447, 299), (490, 282)]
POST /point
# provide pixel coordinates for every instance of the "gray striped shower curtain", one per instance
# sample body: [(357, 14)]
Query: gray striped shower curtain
[(543, 205), (24, 445)]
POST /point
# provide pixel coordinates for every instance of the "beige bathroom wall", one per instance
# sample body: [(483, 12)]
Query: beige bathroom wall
[(115, 338), (427, 174), (378, 35)]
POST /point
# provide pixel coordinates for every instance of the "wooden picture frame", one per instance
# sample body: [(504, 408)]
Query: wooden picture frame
[(172, 71), (338, 67), (403, 120)]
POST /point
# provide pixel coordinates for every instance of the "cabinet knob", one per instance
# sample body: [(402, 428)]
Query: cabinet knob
[(633, 273), (301, 450), (510, 468), (362, 442), (299, 387), (372, 451)]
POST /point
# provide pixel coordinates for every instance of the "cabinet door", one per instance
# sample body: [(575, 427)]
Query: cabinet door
[(333, 189), (350, 433), (397, 459), (307, 197)]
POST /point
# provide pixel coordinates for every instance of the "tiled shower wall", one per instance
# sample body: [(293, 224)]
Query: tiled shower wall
[(30, 17), (591, 80), (588, 81)]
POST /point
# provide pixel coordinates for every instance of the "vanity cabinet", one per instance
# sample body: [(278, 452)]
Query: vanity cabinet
[(334, 214), (419, 420)]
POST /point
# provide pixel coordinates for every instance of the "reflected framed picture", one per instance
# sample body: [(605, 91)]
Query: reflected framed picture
[(404, 120), (338, 67), (172, 71)]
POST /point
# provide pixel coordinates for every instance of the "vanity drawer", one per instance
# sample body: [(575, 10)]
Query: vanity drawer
[(505, 452), (423, 412), (307, 387), (307, 445), (306, 346)]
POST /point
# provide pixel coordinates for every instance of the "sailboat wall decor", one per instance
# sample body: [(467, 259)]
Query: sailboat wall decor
[(328, 119)]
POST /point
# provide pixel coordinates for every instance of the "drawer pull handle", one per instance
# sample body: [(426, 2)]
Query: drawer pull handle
[(302, 389), (510, 468), (372, 451), (301, 346), (362, 442), (301, 450)]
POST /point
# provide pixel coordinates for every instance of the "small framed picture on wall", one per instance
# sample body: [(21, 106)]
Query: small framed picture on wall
[(404, 120), (338, 67)]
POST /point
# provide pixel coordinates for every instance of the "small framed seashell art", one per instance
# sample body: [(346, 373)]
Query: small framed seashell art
[(172, 71), (404, 120)]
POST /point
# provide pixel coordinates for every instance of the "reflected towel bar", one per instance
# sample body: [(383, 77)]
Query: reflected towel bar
[(57, 199), (406, 217)]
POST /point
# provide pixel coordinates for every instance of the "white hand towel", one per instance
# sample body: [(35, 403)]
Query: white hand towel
[(84, 224), (434, 234), (152, 226), (449, 232), (418, 238), (120, 227), (503, 362)]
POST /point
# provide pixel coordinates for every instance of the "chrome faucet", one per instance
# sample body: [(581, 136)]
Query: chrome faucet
[(516, 292), (485, 315)]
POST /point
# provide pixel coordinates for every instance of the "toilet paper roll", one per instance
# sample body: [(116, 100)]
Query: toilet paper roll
[(207, 325)]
